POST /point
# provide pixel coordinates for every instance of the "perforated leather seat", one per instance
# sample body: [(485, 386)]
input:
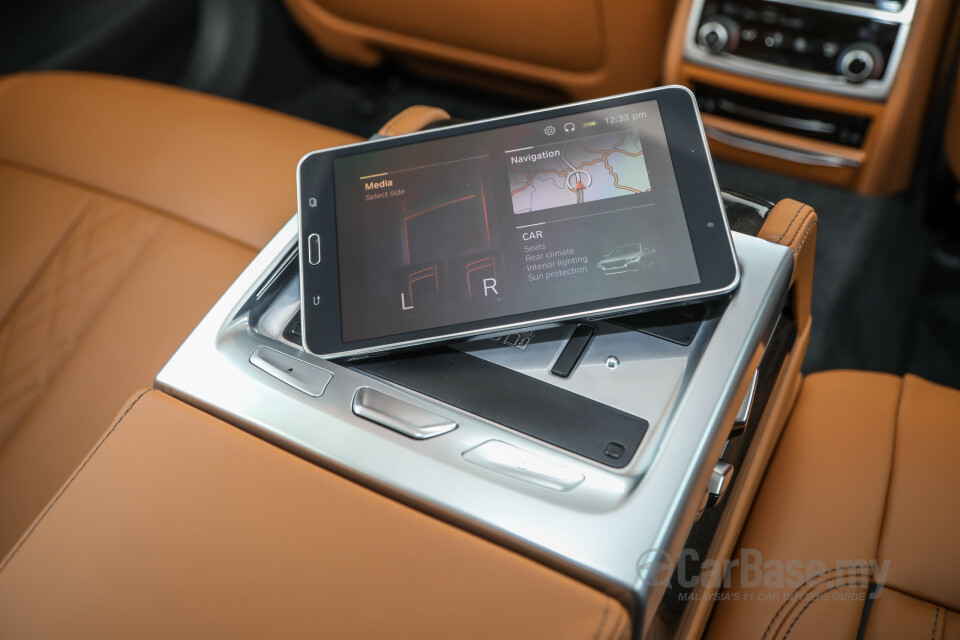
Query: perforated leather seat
[(125, 211), (861, 490)]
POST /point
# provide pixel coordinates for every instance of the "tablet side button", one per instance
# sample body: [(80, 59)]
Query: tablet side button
[(313, 248)]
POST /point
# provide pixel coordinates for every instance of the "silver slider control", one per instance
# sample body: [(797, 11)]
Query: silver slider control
[(719, 481), (313, 248), (398, 415), (300, 375), (515, 462), (743, 413)]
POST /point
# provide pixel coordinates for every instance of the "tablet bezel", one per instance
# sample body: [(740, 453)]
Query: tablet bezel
[(699, 193)]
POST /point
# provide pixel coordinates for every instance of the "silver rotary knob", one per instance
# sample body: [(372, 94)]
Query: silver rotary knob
[(860, 61), (718, 34)]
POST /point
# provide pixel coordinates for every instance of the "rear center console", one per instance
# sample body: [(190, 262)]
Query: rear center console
[(589, 446), (833, 90)]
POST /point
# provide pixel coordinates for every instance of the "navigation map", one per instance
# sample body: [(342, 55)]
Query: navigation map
[(584, 170)]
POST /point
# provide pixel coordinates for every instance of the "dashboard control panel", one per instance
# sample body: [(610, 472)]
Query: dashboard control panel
[(843, 47)]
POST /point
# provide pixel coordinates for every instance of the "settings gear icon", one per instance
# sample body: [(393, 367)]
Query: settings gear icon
[(549, 130)]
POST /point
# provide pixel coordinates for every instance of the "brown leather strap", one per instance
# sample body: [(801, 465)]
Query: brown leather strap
[(413, 119), (794, 225)]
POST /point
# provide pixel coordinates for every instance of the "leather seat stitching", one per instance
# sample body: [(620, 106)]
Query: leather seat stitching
[(936, 621), (61, 241), (603, 619), (75, 339), (810, 212), (893, 455), (808, 582), (804, 238), (815, 598), (97, 190), (791, 222), (76, 473)]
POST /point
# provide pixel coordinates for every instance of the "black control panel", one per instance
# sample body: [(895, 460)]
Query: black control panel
[(829, 42)]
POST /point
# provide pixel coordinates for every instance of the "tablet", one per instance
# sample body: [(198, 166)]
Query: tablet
[(585, 210)]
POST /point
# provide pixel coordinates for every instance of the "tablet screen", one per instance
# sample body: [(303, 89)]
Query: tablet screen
[(524, 218)]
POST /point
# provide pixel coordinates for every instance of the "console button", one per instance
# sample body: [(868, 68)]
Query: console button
[(300, 375), (743, 413), (719, 482), (512, 461), (398, 415), (719, 34), (859, 62)]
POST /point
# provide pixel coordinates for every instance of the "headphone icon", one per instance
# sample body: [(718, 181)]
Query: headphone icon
[(569, 127)]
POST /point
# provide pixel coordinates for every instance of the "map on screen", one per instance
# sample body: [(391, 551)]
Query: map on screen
[(552, 175)]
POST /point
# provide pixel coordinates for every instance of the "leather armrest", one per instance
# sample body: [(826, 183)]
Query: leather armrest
[(794, 225), (180, 525), (413, 119)]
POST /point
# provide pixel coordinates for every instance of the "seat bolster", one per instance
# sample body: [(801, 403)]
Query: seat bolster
[(895, 615), (228, 167), (920, 529), (814, 525)]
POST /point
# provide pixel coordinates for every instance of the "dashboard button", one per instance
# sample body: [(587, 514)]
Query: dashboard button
[(515, 462), (398, 415), (300, 375)]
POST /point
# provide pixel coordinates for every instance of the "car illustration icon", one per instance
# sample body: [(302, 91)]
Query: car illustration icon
[(627, 257)]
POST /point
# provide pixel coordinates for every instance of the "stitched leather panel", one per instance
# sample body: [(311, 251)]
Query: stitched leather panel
[(896, 615), (160, 298), (921, 525), (38, 214), (821, 500), (44, 327), (225, 166)]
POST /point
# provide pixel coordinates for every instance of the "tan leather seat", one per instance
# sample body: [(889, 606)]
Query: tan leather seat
[(584, 49), (863, 489), (125, 211)]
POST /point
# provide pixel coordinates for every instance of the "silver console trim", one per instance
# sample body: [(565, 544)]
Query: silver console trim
[(599, 528), (792, 154), (868, 89)]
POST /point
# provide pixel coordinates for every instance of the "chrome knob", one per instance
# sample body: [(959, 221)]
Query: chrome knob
[(718, 34), (859, 62)]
